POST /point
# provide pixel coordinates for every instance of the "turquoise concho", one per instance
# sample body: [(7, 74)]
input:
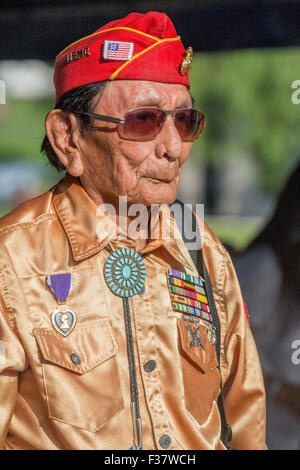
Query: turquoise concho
[(125, 273)]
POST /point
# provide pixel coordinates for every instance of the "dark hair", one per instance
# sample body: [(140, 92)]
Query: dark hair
[(81, 98)]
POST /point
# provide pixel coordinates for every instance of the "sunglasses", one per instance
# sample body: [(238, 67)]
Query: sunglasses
[(144, 124)]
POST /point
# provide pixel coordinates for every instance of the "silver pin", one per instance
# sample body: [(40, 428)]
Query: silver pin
[(195, 336), (212, 334)]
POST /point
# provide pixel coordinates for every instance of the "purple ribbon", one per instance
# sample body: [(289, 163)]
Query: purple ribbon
[(60, 284)]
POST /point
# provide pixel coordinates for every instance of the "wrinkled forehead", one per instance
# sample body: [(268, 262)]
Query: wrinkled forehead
[(124, 95)]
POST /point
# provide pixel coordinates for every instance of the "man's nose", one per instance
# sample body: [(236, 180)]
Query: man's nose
[(170, 143)]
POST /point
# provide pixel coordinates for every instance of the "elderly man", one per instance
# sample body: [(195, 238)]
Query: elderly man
[(108, 338)]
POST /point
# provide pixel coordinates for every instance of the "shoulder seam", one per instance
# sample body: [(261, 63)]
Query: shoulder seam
[(223, 309), (5, 295), (41, 218), (219, 247)]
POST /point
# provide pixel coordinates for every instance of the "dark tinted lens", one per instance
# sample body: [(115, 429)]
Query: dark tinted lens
[(143, 124), (189, 124)]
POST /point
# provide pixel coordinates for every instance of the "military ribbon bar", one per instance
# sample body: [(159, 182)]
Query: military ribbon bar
[(188, 286), (186, 277), (60, 284), (188, 294), (191, 295), (191, 310), (188, 301)]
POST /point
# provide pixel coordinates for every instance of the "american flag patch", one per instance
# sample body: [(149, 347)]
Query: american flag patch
[(117, 50)]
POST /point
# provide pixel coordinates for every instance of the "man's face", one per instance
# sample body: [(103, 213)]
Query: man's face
[(145, 172)]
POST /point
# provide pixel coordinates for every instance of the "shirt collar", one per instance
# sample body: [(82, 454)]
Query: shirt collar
[(83, 224)]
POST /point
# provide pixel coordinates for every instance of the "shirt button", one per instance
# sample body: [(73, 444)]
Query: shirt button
[(165, 441), (75, 359), (150, 366)]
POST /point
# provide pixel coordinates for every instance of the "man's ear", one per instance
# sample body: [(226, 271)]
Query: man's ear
[(64, 135)]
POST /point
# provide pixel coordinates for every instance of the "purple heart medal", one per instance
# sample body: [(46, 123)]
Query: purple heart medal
[(63, 318)]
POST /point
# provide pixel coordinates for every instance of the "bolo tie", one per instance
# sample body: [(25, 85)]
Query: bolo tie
[(125, 275)]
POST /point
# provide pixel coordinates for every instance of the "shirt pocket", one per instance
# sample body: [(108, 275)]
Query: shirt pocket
[(80, 374), (201, 377)]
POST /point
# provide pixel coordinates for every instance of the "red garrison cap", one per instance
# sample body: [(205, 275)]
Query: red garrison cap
[(137, 47)]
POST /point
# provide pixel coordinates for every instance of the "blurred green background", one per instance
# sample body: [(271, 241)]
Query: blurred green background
[(251, 120), (246, 96)]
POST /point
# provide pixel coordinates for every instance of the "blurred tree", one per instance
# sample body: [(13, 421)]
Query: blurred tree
[(22, 127), (246, 97)]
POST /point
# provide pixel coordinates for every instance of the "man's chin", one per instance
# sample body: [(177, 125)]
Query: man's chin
[(160, 194)]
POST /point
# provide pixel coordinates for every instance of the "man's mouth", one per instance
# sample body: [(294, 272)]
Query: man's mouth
[(155, 179)]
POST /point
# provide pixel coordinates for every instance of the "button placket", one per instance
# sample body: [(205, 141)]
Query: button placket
[(151, 379)]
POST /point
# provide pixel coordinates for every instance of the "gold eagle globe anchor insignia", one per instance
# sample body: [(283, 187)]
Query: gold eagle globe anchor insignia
[(186, 64)]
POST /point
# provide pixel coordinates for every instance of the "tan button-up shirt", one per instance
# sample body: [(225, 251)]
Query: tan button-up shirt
[(48, 400)]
